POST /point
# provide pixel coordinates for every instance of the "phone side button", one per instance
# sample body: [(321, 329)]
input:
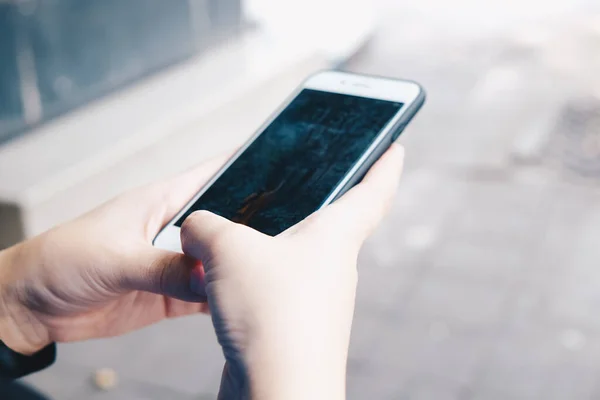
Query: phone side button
[(398, 131)]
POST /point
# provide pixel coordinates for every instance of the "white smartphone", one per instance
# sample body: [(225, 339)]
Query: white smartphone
[(319, 144)]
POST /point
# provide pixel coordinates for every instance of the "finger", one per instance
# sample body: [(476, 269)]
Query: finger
[(166, 273), (356, 214), (201, 234), (175, 308)]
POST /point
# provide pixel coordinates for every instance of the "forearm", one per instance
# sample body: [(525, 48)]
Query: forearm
[(14, 318), (274, 381), (8, 332), (298, 381), (286, 369), (19, 355), (297, 369)]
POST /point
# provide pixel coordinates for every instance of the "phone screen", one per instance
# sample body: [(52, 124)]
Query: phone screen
[(294, 165)]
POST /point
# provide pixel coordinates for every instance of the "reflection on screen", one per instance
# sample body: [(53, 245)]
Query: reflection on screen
[(294, 165)]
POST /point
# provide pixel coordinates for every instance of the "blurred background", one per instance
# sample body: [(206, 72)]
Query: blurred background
[(484, 281)]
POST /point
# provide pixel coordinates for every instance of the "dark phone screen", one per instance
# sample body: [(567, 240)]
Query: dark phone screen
[(294, 165)]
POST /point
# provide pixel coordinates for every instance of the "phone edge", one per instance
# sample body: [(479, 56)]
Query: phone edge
[(385, 144), (355, 178)]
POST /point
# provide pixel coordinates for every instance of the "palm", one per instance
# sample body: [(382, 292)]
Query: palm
[(100, 276), (124, 314)]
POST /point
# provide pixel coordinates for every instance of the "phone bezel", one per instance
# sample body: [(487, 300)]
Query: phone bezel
[(407, 92)]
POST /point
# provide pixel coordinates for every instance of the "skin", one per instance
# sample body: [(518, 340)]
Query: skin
[(281, 306), (99, 275)]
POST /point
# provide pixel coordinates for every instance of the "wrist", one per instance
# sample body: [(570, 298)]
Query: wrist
[(297, 369), (17, 324)]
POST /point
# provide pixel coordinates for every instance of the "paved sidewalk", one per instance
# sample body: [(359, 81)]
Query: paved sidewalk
[(484, 281)]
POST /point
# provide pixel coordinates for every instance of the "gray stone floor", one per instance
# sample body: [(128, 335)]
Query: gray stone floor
[(483, 283)]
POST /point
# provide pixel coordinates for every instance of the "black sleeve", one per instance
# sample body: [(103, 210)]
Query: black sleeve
[(14, 365)]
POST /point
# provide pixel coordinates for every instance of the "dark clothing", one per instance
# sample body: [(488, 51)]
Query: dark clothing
[(13, 390), (14, 365)]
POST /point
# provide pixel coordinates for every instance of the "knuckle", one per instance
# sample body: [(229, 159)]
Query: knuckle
[(162, 278)]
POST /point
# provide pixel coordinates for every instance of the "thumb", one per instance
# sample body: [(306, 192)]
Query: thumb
[(203, 234), (167, 273)]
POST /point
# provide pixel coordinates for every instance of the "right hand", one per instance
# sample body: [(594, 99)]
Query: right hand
[(282, 306)]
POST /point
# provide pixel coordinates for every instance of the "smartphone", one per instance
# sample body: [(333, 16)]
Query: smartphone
[(319, 144)]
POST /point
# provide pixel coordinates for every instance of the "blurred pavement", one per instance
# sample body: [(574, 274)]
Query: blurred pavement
[(484, 281)]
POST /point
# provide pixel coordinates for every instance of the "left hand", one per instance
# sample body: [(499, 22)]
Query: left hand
[(99, 275)]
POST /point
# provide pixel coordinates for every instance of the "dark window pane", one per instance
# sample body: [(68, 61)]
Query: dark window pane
[(81, 49)]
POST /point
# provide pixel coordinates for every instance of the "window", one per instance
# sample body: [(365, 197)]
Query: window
[(59, 54)]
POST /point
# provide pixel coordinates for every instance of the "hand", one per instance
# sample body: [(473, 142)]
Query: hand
[(99, 275), (282, 306)]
